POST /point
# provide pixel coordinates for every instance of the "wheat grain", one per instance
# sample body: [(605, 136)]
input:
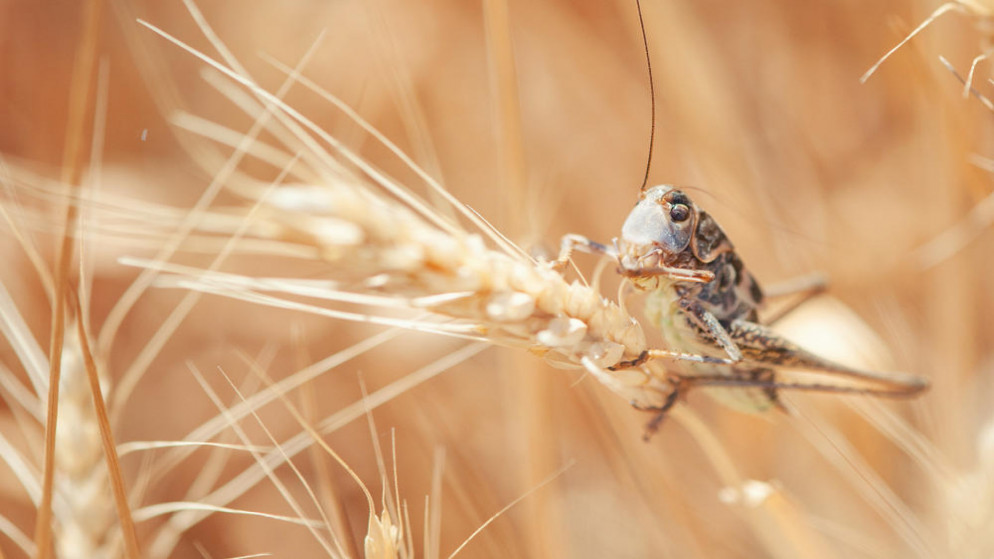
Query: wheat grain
[(82, 481)]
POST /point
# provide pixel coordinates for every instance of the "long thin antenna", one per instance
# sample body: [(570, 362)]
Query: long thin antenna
[(652, 96)]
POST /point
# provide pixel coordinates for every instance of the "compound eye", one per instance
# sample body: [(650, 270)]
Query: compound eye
[(679, 212)]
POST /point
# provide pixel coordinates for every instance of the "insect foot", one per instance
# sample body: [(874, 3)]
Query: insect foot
[(652, 427)]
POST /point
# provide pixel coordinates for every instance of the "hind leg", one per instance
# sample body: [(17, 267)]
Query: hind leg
[(804, 288)]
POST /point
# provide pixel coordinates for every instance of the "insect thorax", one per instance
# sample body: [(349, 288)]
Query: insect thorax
[(734, 293)]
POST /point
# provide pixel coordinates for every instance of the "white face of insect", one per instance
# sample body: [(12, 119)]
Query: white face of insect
[(660, 225)]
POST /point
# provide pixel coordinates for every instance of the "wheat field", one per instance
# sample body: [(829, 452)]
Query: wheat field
[(307, 350)]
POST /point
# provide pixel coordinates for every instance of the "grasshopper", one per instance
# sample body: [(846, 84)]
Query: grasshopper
[(706, 304)]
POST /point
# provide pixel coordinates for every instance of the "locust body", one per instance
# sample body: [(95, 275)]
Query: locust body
[(706, 305), (666, 230)]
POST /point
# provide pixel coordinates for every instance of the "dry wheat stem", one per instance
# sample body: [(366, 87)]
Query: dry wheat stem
[(275, 480), (30, 250), (86, 516), (330, 495), (838, 451), (15, 534), (216, 425), (107, 438), (151, 511), (383, 535), (18, 334), (947, 7), (141, 363), (72, 169), (238, 484)]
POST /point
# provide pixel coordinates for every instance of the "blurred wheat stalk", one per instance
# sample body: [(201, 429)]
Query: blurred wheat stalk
[(759, 104)]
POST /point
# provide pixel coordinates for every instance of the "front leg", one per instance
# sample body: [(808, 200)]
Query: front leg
[(572, 241), (678, 274), (707, 322)]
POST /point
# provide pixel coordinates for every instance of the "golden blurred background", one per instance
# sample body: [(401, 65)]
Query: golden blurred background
[(760, 112)]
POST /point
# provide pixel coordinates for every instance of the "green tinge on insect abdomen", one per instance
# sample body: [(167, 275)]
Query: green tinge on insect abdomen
[(682, 335)]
